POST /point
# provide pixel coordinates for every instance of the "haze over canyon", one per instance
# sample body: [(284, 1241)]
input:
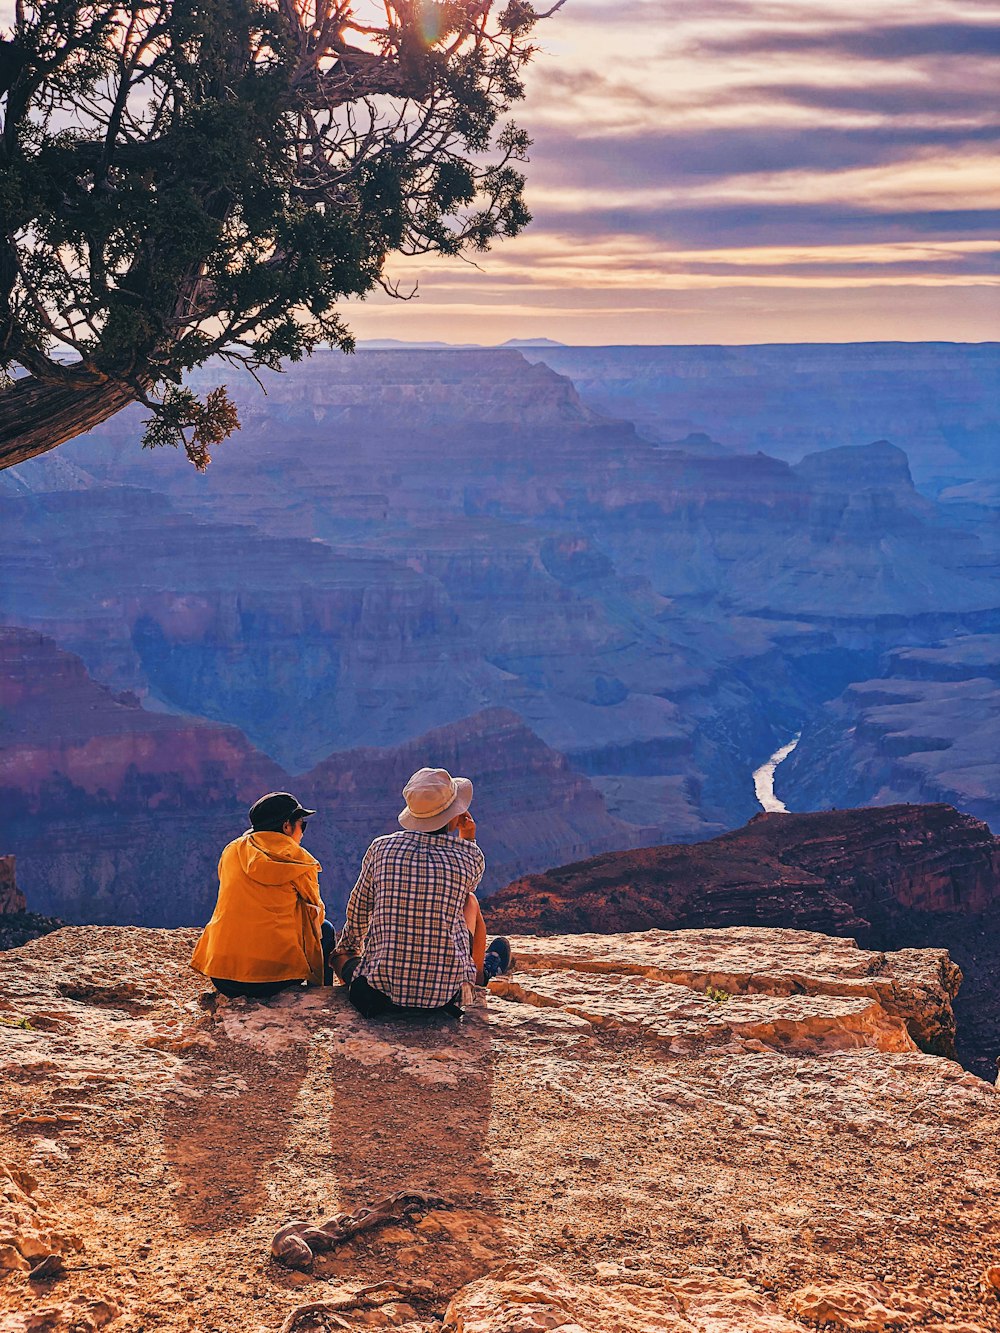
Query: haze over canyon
[(607, 583)]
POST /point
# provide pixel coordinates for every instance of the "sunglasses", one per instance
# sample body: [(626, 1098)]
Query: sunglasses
[(303, 823)]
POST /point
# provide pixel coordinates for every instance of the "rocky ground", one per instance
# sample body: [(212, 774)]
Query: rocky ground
[(700, 1131)]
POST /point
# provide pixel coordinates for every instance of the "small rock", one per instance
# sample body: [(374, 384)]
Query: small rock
[(51, 1267)]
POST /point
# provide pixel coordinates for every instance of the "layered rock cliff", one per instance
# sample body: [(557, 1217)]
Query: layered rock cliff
[(841, 867), (17, 924), (11, 897), (892, 876), (789, 400), (693, 1132), (399, 540), (927, 729), (119, 814)]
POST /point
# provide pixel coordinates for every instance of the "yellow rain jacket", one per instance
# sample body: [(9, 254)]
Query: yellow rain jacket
[(267, 921)]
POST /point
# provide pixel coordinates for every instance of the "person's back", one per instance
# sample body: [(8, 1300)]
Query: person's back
[(266, 930), (413, 887), (414, 937)]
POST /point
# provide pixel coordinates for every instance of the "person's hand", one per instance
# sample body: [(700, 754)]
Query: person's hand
[(467, 827)]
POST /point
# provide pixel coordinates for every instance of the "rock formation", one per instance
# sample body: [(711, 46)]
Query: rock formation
[(927, 729), (17, 924), (699, 1131), (938, 398), (401, 539), (119, 813), (11, 897), (529, 804), (893, 877), (838, 868)]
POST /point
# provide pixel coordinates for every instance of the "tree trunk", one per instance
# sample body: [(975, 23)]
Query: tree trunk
[(36, 417)]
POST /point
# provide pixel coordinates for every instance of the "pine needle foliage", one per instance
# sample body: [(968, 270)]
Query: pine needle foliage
[(183, 180)]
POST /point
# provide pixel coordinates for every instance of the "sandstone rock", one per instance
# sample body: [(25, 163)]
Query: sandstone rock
[(898, 874), (79, 1314), (683, 1020), (525, 1299), (622, 1151), (916, 986), (11, 898), (30, 1230), (863, 1307)]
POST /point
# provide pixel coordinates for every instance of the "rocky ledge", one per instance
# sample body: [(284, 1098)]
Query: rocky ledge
[(695, 1131), (892, 877)]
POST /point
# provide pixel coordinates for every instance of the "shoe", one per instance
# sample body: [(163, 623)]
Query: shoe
[(499, 959)]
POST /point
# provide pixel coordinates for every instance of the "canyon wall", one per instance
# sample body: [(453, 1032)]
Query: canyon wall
[(119, 814), (840, 868), (937, 400), (402, 541), (926, 730), (399, 539), (11, 897)]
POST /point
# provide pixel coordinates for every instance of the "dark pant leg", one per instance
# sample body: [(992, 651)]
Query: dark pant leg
[(250, 990), (329, 944), (368, 1001)]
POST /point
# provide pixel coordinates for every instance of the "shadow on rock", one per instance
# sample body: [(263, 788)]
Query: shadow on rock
[(411, 1110), (226, 1122)]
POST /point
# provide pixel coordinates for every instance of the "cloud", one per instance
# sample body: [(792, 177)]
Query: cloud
[(716, 226), (897, 41), (970, 99), (661, 157)]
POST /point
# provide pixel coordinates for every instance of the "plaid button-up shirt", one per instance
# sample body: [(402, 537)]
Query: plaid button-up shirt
[(406, 916)]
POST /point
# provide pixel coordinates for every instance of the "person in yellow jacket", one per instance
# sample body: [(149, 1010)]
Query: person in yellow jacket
[(267, 929)]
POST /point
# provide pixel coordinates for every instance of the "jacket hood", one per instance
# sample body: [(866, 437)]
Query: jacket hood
[(273, 858)]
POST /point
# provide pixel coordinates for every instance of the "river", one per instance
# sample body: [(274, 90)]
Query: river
[(763, 778)]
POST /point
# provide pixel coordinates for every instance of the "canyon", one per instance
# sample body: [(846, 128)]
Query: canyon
[(928, 730), (694, 1131), (118, 814), (404, 541), (937, 400), (742, 1079)]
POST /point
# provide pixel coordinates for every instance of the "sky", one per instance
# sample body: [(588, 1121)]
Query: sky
[(740, 171)]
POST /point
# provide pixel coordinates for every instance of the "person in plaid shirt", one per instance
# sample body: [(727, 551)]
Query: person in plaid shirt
[(414, 937)]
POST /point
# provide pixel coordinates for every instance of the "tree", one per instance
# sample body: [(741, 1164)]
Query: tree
[(187, 179)]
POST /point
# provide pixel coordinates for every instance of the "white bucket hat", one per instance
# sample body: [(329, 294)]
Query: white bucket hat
[(433, 798)]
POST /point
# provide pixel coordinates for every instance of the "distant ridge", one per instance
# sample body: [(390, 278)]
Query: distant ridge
[(433, 345), (400, 344), (532, 342)]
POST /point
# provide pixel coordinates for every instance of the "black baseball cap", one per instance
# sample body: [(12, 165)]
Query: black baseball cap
[(272, 810)]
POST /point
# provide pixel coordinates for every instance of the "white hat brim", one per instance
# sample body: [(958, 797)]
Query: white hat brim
[(461, 803)]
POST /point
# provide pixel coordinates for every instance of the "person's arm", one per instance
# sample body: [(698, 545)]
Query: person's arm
[(477, 929), (307, 889), (359, 909), (467, 833)]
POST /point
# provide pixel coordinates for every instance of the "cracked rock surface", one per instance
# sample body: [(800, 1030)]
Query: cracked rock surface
[(729, 1131)]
